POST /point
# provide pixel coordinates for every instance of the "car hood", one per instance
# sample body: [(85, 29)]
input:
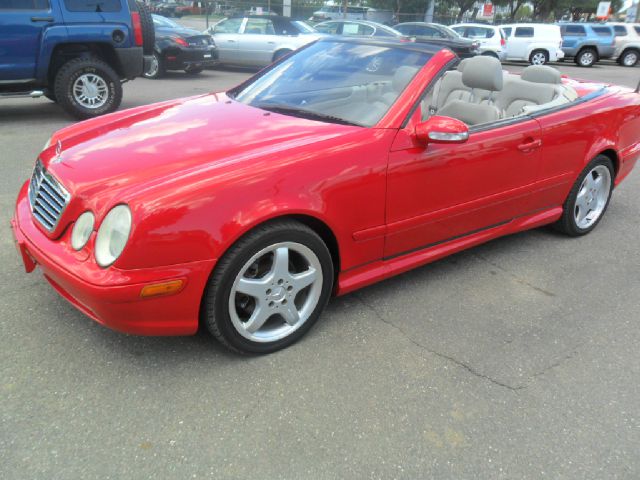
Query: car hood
[(116, 156)]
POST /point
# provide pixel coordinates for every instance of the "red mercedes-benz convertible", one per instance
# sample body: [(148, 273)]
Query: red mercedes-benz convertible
[(345, 163)]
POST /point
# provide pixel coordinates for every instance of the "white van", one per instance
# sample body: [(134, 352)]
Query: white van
[(535, 43), (492, 39)]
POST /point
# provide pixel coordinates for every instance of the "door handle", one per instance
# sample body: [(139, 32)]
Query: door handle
[(231, 41), (530, 145), (42, 19), (271, 43)]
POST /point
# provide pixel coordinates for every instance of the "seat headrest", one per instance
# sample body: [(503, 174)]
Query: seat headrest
[(402, 77), (541, 74), (483, 72), (462, 64)]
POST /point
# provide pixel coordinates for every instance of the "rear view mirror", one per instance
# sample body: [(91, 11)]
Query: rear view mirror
[(442, 130)]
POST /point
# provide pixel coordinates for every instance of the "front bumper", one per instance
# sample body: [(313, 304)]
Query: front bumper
[(111, 296), (191, 57)]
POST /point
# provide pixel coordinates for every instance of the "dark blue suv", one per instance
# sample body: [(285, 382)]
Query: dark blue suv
[(75, 52)]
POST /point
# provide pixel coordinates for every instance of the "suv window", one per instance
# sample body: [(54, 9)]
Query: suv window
[(228, 26), (24, 4), (603, 31), (524, 32), (259, 26), (573, 31), (93, 5), (620, 30), (479, 32)]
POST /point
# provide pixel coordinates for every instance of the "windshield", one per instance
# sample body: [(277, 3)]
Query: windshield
[(337, 82)]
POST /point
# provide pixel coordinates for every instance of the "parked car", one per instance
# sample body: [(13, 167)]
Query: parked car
[(180, 48), (72, 54), (244, 211), (536, 43), (587, 43), (627, 51), (169, 9), (361, 28), (493, 40), (440, 35), (335, 12), (258, 40)]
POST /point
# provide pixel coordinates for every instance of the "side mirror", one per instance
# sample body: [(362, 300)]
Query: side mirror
[(442, 130)]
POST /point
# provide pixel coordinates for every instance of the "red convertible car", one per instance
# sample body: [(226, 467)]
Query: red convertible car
[(345, 163)]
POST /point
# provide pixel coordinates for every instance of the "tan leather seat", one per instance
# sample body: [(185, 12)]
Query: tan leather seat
[(483, 76)]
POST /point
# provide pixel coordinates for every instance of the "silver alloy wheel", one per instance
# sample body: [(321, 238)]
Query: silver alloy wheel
[(154, 66), (275, 292), (630, 59), (587, 58), (539, 59), (90, 91), (592, 197)]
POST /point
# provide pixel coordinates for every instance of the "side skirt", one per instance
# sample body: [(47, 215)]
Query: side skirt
[(379, 270)]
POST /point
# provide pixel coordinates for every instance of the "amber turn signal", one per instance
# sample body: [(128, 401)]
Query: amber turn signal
[(166, 288)]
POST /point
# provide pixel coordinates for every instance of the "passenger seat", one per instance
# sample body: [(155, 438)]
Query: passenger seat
[(482, 75)]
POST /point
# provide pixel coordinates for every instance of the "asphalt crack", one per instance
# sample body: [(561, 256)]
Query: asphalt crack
[(518, 279), (444, 356)]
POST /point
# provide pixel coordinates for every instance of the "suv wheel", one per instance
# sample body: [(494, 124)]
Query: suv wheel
[(538, 57), (87, 87), (148, 32), (630, 58), (586, 57)]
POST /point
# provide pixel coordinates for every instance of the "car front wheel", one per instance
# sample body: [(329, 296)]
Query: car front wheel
[(630, 58), (269, 289), (587, 57), (538, 57), (588, 199)]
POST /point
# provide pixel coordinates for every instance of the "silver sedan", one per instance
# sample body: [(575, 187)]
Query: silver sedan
[(256, 40)]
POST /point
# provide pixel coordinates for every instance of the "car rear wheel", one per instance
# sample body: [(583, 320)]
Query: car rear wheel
[(588, 199), (586, 57), (156, 67), (538, 57), (630, 58), (269, 289), (87, 87), (194, 70)]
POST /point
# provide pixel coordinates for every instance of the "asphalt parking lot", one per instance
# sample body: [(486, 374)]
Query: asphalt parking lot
[(516, 359)]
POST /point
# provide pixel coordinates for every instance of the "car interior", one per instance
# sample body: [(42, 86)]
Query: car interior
[(479, 91)]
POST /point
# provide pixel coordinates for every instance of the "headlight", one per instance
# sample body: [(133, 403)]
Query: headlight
[(82, 230), (113, 235)]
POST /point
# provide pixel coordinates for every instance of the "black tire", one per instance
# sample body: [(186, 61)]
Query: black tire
[(51, 96), (148, 32), (541, 56), (194, 70), (629, 58), (586, 57), (216, 314), (279, 54), (71, 71), (567, 223), (154, 73)]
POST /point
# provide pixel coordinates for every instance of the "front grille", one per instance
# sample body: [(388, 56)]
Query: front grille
[(47, 197)]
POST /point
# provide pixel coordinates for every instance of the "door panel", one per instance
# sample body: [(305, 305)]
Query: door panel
[(444, 191), (21, 31), (226, 34)]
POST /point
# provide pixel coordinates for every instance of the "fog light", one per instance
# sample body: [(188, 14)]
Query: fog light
[(165, 288)]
